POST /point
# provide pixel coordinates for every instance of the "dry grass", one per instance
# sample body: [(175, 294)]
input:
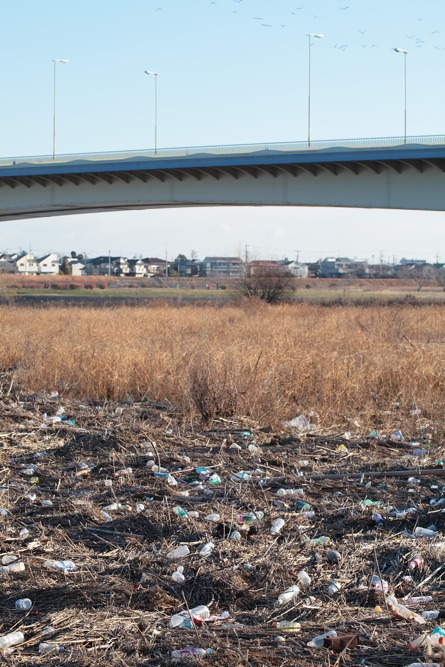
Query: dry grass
[(371, 366)]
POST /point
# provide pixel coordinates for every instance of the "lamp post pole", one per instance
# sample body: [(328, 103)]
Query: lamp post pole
[(64, 62), (155, 74), (309, 36), (397, 50)]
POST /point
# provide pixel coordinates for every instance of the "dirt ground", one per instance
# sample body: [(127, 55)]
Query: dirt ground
[(114, 608)]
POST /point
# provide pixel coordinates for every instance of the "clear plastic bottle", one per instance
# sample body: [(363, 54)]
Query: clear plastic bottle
[(13, 568), (430, 615), (289, 626), (235, 536), (251, 516), (213, 517), (179, 552), (277, 526), (424, 532), (290, 492), (400, 611), (185, 618), (60, 565), (191, 652), (334, 587), (304, 578), (11, 639), (48, 648), (289, 594), (207, 549), (318, 641), (24, 604)]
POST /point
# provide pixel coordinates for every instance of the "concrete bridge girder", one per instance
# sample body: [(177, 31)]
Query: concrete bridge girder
[(402, 183)]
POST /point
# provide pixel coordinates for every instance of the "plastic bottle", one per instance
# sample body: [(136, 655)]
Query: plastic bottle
[(23, 604), (378, 519), (201, 613), (430, 615), (48, 648), (213, 517), (235, 536), (323, 539), (214, 479), (424, 532), (334, 587), (178, 576), (191, 652), (179, 511), (207, 549), (179, 552), (251, 516), (17, 566), (301, 505), (11, 639), (277, 526), (288, 594), (60, 565), (304, 578), (289, 626), (378, 584), (401, 611), (419, 599), (416, 563), (290, 492), (318, 641)]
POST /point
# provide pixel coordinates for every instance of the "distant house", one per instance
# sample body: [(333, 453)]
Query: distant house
[(48, 264), (77, 267), (267, 265), (8, 263), (26, 264), (155, 265), (342, 267), (298, 270), (106, 265), (136, 267), (222, 267)]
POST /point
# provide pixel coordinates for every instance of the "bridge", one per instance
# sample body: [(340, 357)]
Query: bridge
[(386, 173)]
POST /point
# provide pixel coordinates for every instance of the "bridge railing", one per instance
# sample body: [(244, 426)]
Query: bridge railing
[(232, 149)]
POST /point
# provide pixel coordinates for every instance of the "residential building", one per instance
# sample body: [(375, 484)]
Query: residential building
[(48, 264), (26, 264), (8, 263), (222, 267), (342, 267), (155, 266), (107, 265), (77, 267), (136, 267)]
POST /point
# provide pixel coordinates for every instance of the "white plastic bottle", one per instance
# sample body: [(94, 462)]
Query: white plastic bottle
[(24, 604), (304, 578), (179, 552), (424, 532), (12, 639), (178, 575), (288, 594), (277, 526), (430, 615), (318, 641), (213, 517)]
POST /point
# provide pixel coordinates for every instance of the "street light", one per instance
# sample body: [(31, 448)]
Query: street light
[(318, 35), (155, 74), (64, 62), (397, 50)]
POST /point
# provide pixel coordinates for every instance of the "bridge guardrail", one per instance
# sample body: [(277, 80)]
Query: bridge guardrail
[(234, 149)]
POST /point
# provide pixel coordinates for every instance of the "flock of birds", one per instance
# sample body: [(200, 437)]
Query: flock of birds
[(417, 41)]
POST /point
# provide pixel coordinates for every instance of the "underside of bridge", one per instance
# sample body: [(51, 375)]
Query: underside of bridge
[(377, 181)]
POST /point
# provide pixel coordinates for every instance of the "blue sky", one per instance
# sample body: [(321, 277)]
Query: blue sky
[(230, 71)]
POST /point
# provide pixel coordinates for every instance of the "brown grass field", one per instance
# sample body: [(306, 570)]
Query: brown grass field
[(356, 368)]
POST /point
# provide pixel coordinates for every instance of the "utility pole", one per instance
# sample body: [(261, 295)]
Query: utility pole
[(109, 262)]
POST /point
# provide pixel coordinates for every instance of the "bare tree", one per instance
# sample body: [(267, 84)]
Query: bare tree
[(268, 284)]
